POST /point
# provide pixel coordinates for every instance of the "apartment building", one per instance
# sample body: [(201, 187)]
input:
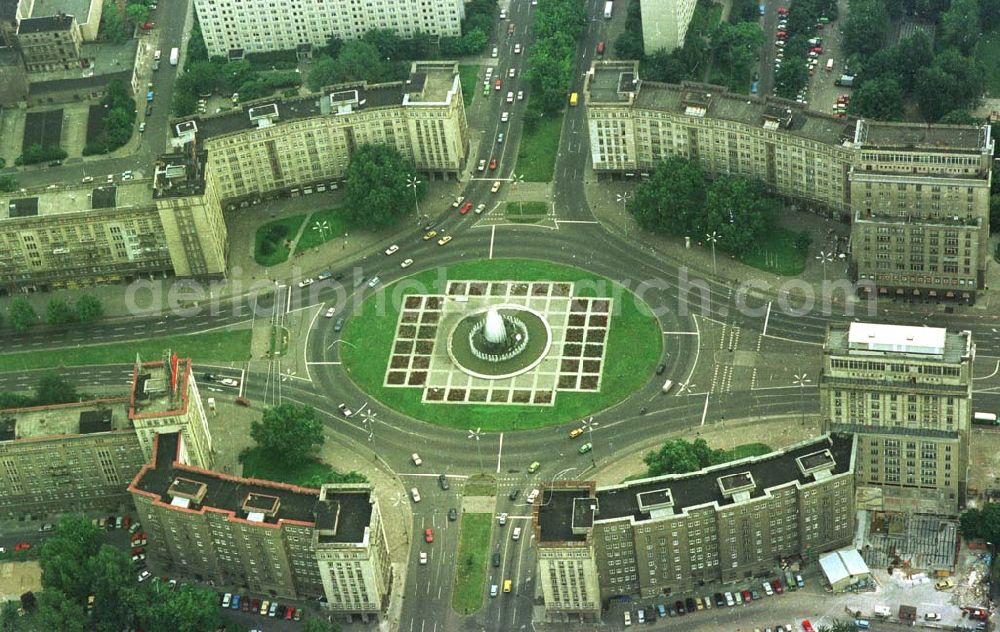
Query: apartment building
[(49, 43), (262, 536), (921, 200), (80, 235), (255, 26), (906, 392), (918, 196), (662, 536), (665, 23), (295, 146), (82, 456)]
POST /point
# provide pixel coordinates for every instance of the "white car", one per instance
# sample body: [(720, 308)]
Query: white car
[(517, 49), (481, 208), (127, 175), (306, 282), (87, 179), (512, 72), (330, 312), (391, 249), (932, 616), (344, 410), (510, 97), (423, 557), (375, 281), (138, 557), (143, 576), (520, 95), (503, 119), (414, 494), (489, 72), (502, 520), (142, 127), (767, 588), (482, 165), (406, 263), (416, 459), (495, 52), (458, 201), (228, 381)]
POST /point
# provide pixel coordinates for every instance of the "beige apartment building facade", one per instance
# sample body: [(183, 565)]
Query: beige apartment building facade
[(49, 43), (263, 536), (304, 144), (82, 456), (906, 392), (255, 26), (917, 196), (82, 235), (665, 23), (662, 536)]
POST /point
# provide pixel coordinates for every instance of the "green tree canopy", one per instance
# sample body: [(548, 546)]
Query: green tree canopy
[(54, 389), (960, 25), (22, 314), (736, 49), (880, 99), (8, 183), (670, 200), (679, 456), (89, 308), (114, 589), (375, 186), (65, 558), (204, 76), (288, 429), (323, 73), (59, 312), (981, 523), (736, 209), (58, 611), (866, 27), (185, 609)]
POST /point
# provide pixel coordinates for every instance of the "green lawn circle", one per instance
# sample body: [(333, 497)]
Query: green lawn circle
[(635, 346)]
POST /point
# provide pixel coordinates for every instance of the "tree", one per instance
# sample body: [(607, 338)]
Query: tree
[(22, 314), (880, 99), (671, 199), (679, 456), (113, 23), (65, 559), (113, 589), (184, 102), (137, 13), (375, 187), (15, 400), (318, 624), (89, 308), (53, 389), (736, 49), (8, 184), (959, 117), (204, 76), (333, 46), (989, 13), (290, 430), (866, 28), (186, 609), (58, 611), (736, 209), (323, 73), (960, 25), (58, 312), (981, 523)]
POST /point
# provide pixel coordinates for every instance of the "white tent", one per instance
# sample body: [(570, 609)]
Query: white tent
[(844, 568)]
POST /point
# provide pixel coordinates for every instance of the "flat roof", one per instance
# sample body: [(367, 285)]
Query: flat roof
[(897, 338), (868, 339), (57, 420), (609, 82), (885, 135), (226, 493), (343, 516), (77, 8), (555, 511), (107, 61), (75, 198), (45, 24)]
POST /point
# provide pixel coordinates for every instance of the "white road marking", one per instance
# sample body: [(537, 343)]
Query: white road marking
[(320, 363), (680, 333), (493, 234), (704, 412), (499, 453), (986, 377), (767, 317)]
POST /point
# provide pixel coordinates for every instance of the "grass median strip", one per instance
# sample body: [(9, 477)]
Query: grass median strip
[(473, 548), (468, 75), (536, 156), (215, 346)]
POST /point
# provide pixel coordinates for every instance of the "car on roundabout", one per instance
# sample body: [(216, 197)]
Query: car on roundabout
[(444, 240), (533, 468), (345, 411), (431, 234), (391, 250), (330, 312), (586, 447), (575, 432), (406, 263), (480, 208), (228, 381), (306, 282)]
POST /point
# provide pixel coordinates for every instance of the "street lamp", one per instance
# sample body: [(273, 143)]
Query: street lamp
[(368, 419), (345, 241), (801, 381), (712, 238), (824, 258), (685, 387), (413, 183), (322, 228), (476, 434), (589, 426), (398, 500), (516, 179), (624, 198)]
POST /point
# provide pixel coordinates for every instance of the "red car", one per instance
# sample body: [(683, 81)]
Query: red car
[(137, 550), (148, 26), (778, 588), (126, 522), (428, 535), (496, 86), (600, 48), (255, 605), (780, 35), (807, 627), (493, 163), (465, 208), (289, 614), (23, 546), (816, 49), (747, 597), (782, 11)]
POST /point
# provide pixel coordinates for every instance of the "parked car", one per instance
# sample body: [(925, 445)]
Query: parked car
[(345, 411), (443, 482), (416, 459), (453, 514), (391, 249)]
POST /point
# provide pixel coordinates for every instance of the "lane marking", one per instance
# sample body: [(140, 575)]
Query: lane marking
[(680, 333), (499, 453), (986, 377), (320, 362), (767, 317), (704, 412), (801, 342), (493, 234)]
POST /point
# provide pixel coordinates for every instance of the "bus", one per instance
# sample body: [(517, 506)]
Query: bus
[(174, 55), (572, 99), (985, 419), (607, 9)]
